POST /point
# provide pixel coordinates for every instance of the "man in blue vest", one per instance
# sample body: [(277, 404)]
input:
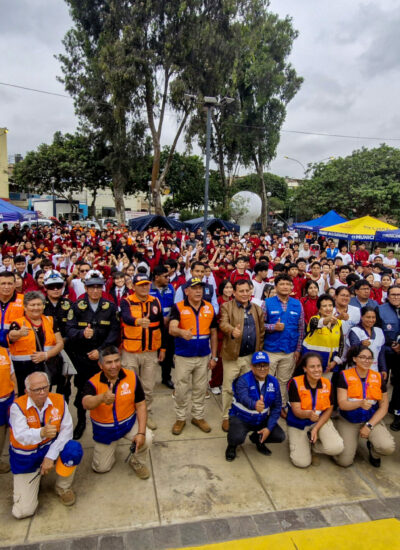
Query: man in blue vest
[(164, 291), (197, 271), (389, 313), (256, 408), (284, 332), (332, 251)]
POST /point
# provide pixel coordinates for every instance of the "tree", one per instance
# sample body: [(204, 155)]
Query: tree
[(100, 73), (70, 163), (363, 183), (266, 83)]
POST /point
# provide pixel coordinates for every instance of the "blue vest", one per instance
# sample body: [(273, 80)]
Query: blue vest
[(208, 291), (390, 321), (285, 341), (166, 298), (270, 390)]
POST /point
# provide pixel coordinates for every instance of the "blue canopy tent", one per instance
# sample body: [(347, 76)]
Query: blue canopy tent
[(328, 219), (11, 213), (152, 220), (212, 224), (390, 236)]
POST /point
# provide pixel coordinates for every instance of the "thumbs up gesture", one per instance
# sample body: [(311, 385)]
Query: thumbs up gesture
[(279, 326), (88, 332), (109, 396), (260, 404), (48, 431), (236, 332), (24, 330)]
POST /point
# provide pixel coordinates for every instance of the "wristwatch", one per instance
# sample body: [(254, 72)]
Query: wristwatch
[(369, 425), (215, 359)]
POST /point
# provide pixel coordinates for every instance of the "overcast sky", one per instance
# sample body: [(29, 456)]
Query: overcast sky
[(347, 52)]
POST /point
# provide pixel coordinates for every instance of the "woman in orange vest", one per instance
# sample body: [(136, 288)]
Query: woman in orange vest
[(8, 391), (363, 404), (310, 428), (33, 340)]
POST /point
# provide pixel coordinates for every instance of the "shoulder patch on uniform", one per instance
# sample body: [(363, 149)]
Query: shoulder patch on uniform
[(70, 315), (105, 305), (82, 304), (65, 305)]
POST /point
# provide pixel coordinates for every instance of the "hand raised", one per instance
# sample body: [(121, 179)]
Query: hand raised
[(88, 332), (236, 332), (109, 396), (260, 406), (48, 431)]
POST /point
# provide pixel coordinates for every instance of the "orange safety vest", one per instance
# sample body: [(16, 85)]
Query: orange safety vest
[(22, 349), (6, 384), (199, 325), (12, 311), (54, 411), (137, 339), (357, 390), (322, 395), (124, 404)]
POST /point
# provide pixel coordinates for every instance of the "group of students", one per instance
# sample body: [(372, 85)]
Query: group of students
[(67, 294)]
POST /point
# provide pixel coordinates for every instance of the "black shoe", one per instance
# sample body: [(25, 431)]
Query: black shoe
[(261, 447), (169, 384), (79, 429), (375, 462), (230, 453), (395, 425)]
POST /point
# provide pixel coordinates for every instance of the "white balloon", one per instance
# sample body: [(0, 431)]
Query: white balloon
[(252, 204)]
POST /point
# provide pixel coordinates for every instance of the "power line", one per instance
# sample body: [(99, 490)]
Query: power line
[(303, 132), (33, 89)]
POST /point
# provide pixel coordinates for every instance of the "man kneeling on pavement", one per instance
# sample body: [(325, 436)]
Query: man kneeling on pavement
[(41, 439), (256, 408), (116, 401)]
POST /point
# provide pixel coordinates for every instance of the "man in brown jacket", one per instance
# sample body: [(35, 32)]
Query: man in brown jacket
[(242, 324)]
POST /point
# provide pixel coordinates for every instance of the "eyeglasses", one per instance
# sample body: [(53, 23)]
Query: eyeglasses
[(261, 367), (55, 286), (40, 390), (365, 358)]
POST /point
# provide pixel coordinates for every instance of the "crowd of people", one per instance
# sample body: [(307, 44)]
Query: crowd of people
[(298, 330)]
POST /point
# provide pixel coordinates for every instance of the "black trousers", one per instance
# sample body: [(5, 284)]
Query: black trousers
[(168, 362), (238, 429), (393, 366)]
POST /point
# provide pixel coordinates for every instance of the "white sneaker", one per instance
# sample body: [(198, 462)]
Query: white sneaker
[(216, 390)]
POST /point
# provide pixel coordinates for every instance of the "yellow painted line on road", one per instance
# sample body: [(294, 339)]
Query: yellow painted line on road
[(375, 535)]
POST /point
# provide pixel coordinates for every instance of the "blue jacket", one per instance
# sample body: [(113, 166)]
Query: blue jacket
[(390, 324), (246, 392), (285, 341), (166, 298), (355, 302), (208, 295)]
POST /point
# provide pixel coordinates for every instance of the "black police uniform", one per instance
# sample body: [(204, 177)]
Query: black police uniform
[(60, 313), (105, 323)]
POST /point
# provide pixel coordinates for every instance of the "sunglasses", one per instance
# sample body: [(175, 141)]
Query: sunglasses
[(55, 286)]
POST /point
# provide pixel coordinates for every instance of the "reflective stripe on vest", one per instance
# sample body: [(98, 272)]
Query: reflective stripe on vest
[(22, 349), (12, 311), (309, 402), (123, 407), (136, 339), (198, 325)]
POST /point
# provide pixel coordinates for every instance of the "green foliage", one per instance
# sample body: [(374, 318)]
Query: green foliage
[(276, 185), (367, 182)]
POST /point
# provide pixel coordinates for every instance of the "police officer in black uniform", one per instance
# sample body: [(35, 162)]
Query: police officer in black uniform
[(58, 307), (92, 325)]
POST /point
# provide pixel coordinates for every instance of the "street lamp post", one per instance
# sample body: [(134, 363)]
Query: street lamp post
[(298, 162), (53, 180)]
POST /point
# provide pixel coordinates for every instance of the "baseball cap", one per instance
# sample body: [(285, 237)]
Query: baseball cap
[(365, 264), (194, 281), (259, 357), (69, 458), (94, 277), (141, 279), (53, 278)]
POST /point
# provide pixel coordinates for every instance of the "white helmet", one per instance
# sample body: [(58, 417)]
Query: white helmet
[(53, 277)]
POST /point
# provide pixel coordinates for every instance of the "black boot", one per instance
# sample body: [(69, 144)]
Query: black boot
[(375, 462), (230, 453), (395, 425), (261, 447)]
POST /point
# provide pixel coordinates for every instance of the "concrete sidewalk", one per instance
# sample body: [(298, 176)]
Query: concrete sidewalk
[(192, 483)]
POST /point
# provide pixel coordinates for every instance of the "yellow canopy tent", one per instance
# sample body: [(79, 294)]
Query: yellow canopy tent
[(360, 229)]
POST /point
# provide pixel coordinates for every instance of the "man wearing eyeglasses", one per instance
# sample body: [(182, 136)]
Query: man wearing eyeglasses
[(40, 440), (389, 313), (77, 280), (256, 408)]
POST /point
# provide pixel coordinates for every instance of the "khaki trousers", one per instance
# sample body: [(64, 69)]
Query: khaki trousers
[(145, 366), (329, 443), (104, 455), (232, 370), (191, 373), (26, 493), (282, 366), (381, 440)]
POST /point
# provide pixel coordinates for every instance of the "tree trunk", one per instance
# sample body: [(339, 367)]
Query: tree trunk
[(92, 207), (155, 180), (118, 185), (263, 192)]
